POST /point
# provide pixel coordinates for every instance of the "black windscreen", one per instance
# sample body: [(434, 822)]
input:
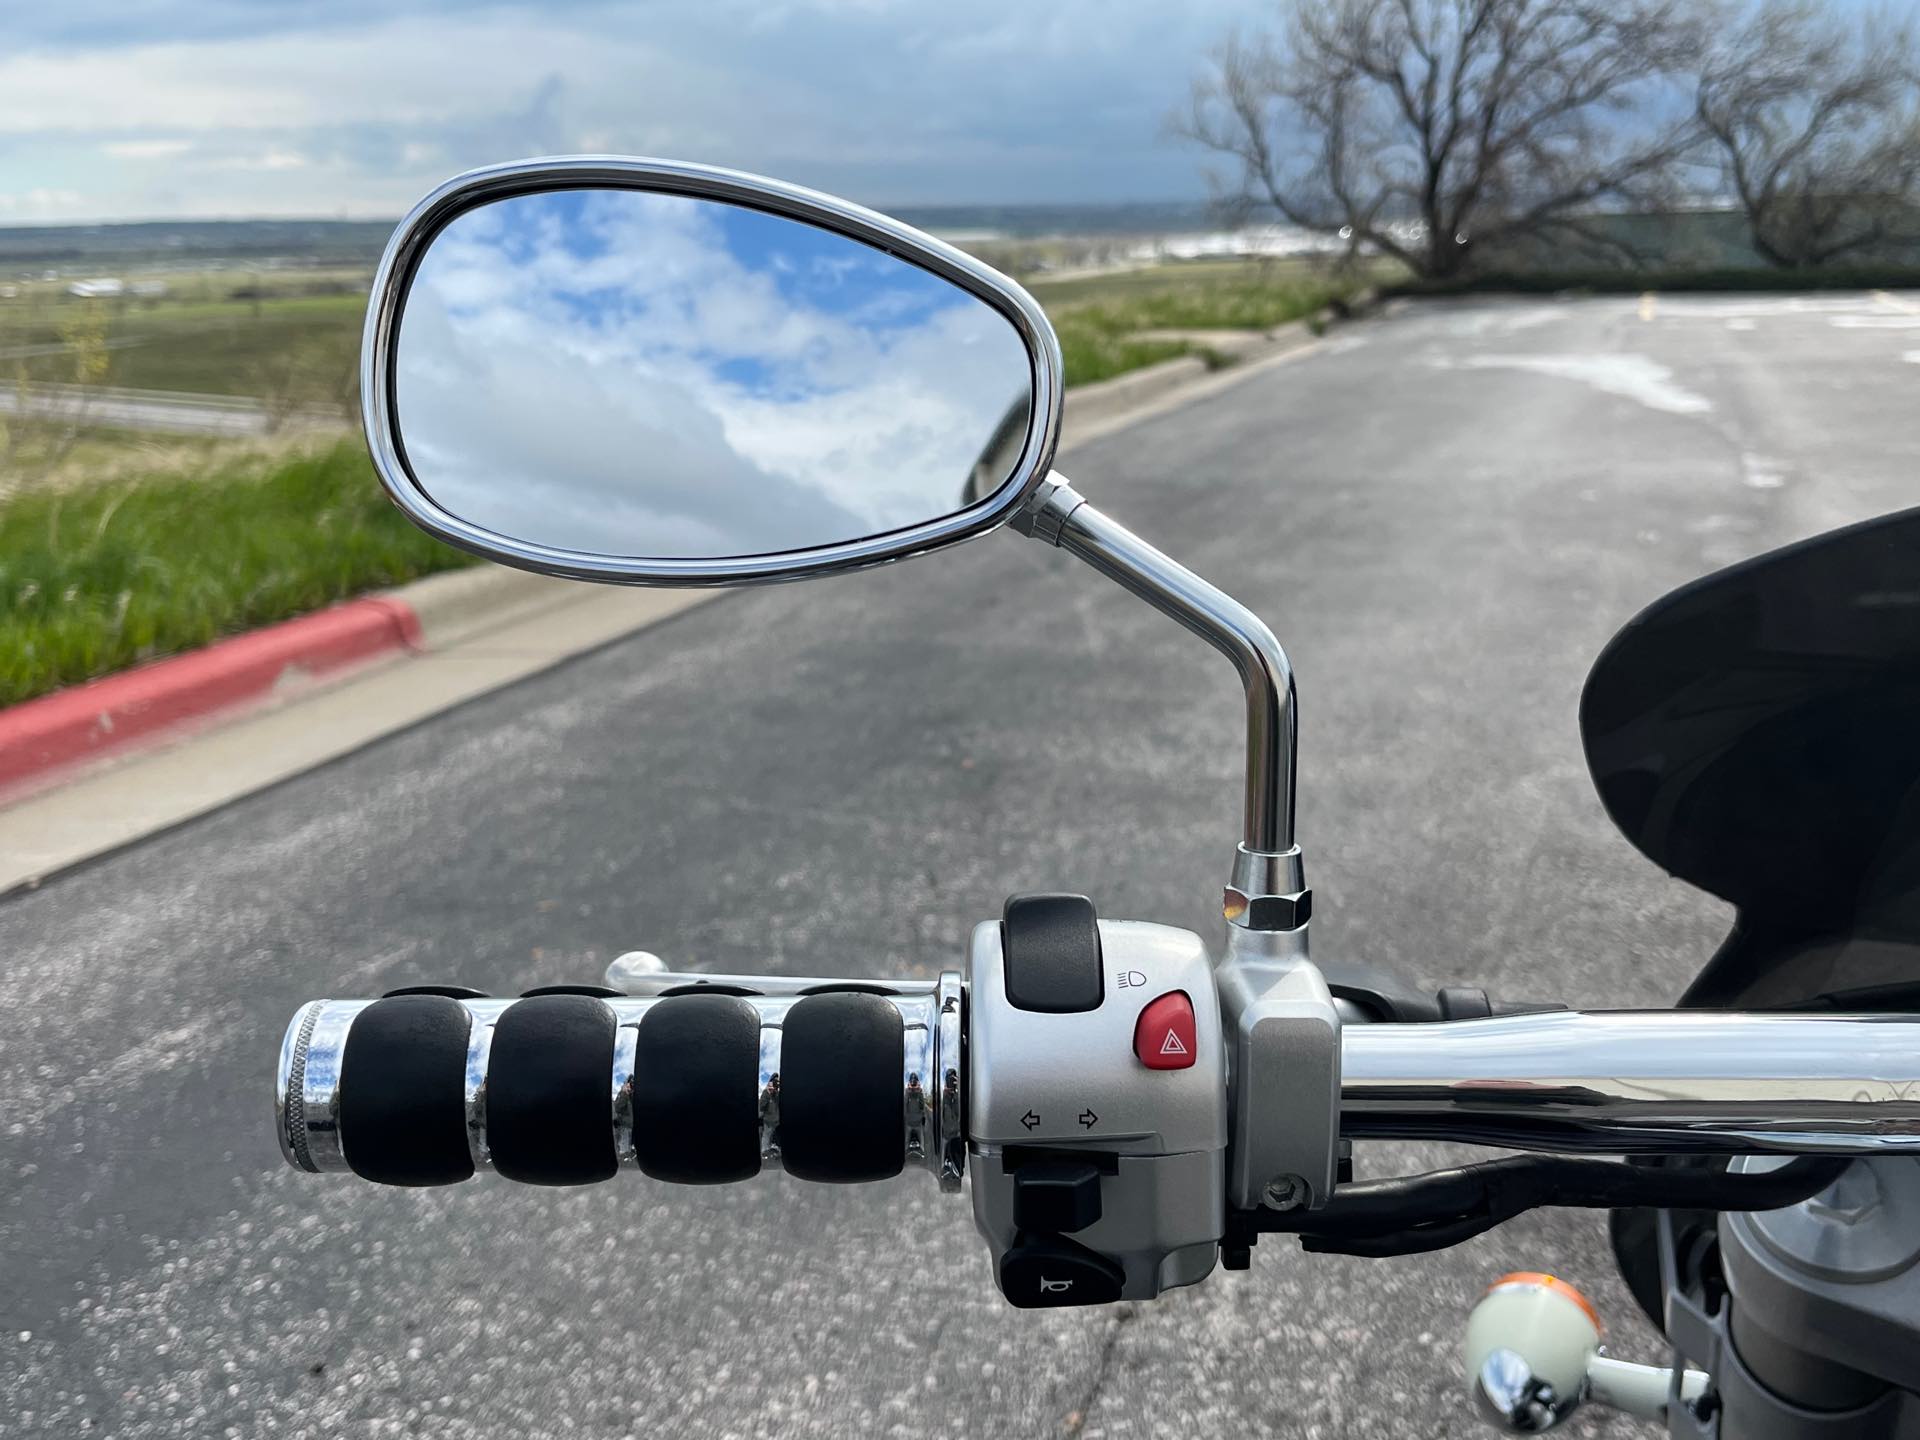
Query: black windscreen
[(1757, 733)]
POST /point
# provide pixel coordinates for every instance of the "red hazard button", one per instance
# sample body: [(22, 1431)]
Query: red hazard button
[(1163, 1036)]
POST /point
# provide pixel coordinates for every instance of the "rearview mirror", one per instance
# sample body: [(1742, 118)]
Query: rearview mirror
[(668, 374)]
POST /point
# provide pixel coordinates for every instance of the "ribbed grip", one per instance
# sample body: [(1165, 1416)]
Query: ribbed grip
[(402, 1106), (549, 1091), (696, 1090), (840, 1085), (840, 1094)]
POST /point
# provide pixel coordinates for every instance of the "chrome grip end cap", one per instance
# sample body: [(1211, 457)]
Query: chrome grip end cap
[(306, 1086)]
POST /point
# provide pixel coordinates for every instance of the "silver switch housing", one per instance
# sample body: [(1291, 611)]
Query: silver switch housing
[(1071, 1084)]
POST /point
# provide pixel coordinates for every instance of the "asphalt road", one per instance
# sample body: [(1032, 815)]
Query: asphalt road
[(1444, 512)]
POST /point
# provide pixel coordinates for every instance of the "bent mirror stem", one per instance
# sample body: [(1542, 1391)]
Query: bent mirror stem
[(1283, 1031), (1060, 516)]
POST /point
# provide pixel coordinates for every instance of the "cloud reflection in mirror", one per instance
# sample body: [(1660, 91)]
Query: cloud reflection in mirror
[(644, 375)]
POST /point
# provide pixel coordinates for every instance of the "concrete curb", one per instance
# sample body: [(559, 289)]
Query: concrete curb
[(46, 740), (43, 739), (457, 604), (1097, 403)]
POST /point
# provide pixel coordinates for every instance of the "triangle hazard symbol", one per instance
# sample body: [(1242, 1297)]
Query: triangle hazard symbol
[(1171, 1045)]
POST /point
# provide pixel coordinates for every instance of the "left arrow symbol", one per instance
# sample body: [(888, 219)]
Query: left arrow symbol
[(1030, 1120)]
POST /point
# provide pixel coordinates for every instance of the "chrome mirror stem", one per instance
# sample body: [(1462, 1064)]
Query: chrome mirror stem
[(1281, 1025), (1060, 516)]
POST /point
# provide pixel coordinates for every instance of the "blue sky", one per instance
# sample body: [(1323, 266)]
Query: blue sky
[(125, 109), (673, 377)]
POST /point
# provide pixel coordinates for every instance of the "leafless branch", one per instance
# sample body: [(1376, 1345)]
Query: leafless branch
[(1432, 130), (1817, 124)]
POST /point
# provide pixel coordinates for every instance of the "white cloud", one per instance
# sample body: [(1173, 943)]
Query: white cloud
[(146, 149), (893, 101), (274, 159), (640, 378), (39, 203)]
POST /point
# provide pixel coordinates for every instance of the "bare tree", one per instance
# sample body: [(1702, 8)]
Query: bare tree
[(1434, 129), (1817, 124)]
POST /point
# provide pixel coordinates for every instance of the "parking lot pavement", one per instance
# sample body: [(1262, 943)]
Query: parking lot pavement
[(1444, 512)]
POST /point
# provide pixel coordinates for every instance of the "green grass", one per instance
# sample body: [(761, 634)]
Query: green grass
[(304, 346), (1100, 319), (98, 578), (1092, 354), (301, 350), (316, 355), (101, 569), (1170, 275)]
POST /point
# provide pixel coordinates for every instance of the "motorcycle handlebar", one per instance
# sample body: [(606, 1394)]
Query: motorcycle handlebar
[(1641, 1082), (840, 1081), (706, 1084)]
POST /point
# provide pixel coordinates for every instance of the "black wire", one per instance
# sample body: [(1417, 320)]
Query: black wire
[(1402, 1242), (1417, 1213)]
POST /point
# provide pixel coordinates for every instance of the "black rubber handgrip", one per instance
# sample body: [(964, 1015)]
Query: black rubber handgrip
[(696, 1090), (550, 1093), (841, 1062), (402, 1103)]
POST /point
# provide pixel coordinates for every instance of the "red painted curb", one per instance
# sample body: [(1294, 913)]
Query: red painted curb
[(110, 715)]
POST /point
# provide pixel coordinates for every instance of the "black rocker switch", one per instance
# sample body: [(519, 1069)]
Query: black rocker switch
[(1042, 1271), (1052, 948), (1056, 1196)]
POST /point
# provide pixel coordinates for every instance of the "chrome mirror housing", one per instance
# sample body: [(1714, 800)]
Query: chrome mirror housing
[(655, 373)]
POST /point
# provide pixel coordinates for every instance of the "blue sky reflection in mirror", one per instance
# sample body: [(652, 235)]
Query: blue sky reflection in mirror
[(648, 375)]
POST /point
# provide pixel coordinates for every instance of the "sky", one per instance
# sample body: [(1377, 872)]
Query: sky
[(653, 375), (150, 109)]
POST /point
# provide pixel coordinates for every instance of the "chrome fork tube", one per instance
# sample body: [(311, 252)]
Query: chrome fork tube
[(1667, 1081)]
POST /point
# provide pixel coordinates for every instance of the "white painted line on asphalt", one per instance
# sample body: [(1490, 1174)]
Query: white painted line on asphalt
[(1632, 377)]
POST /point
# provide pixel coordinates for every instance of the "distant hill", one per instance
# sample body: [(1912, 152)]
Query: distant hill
[(1025, 221), (203, 243), (1686, 239), (191, 243)]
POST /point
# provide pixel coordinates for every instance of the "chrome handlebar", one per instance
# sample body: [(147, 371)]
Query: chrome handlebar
[(1640, 1082), (1626, 1082)]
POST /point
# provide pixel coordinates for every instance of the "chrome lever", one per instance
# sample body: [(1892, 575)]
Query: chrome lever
[(644, 975)]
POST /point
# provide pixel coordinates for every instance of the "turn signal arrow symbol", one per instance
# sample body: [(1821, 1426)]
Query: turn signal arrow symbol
[(1030, 1120), (1088, 1118)]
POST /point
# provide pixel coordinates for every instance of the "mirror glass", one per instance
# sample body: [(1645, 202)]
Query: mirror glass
[(625, 373)]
